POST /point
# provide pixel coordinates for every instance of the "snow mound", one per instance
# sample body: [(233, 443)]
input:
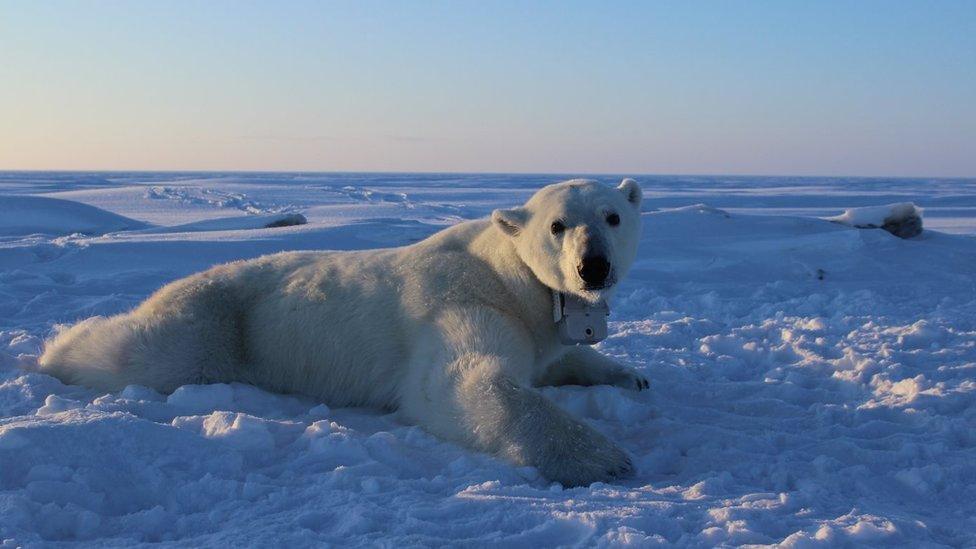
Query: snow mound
[(903, 220), (246, 222), (697, 209), (24, 215)]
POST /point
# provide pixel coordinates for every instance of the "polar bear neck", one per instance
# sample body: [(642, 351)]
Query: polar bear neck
[(532, 297)]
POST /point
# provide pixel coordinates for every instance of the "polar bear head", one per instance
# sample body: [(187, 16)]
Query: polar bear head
[(578, 237)]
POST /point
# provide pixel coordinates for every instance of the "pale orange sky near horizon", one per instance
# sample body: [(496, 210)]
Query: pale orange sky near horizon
[(624, 87)]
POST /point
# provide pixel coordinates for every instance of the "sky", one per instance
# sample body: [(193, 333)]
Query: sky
[(868, 88)]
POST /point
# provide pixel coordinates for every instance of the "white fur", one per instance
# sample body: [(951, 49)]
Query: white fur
[(453, 331)]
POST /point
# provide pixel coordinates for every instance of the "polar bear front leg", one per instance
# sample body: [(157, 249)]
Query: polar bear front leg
[(585, 366), (523, 426), (479, 395)]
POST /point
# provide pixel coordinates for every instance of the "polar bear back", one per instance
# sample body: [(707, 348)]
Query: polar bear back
[(340, 326)]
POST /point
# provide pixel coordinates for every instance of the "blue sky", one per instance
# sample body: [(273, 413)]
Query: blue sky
[(807, 88)]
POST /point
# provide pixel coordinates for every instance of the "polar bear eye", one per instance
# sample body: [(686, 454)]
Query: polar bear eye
[(613, 219), (557, 227)]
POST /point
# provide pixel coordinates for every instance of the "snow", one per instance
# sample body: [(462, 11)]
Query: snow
[(903, 220), (812, 384), (876, 216), (257, 221), (24, 215)]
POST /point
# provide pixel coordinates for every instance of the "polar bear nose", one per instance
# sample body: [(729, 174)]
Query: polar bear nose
[(594, 270)]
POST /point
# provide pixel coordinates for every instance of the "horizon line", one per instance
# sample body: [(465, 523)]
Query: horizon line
[(461, 172)]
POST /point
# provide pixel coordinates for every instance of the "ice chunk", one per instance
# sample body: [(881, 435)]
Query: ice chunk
[(903, 220)]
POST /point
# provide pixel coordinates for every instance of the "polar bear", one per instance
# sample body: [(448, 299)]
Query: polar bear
[(453, 331)]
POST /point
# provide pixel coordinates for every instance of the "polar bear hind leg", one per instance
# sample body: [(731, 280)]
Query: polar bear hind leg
[(189, 332)]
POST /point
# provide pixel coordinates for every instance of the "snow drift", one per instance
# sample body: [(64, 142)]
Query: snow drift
[(24, 215)]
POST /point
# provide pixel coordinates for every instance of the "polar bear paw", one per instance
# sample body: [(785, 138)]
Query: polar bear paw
[(583, 457), (629, 379)]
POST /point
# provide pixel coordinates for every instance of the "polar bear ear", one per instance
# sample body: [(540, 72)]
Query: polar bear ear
[(511, 221), (632, 191)]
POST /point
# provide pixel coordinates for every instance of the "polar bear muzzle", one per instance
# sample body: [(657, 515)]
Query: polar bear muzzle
[(594, 269)]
